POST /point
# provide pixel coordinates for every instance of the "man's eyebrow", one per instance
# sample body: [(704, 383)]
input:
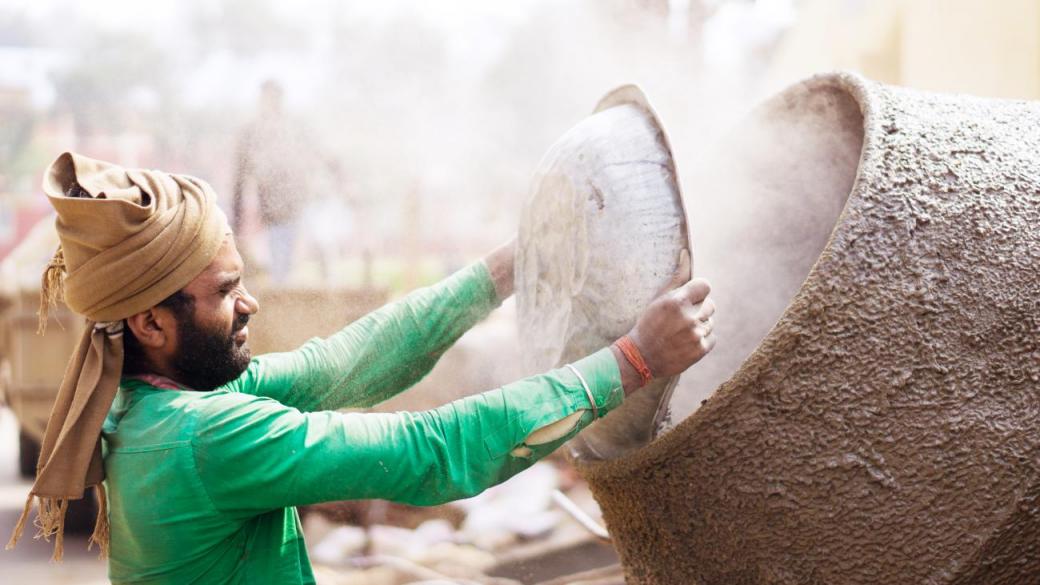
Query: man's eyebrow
[(229, 280)]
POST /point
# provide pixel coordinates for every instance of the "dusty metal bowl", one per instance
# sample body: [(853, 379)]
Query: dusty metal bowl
[(600, 234)]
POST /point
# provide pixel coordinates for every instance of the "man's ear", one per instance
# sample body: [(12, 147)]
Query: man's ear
[(151, 328)]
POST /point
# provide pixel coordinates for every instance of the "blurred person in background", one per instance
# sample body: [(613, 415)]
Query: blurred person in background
[(273, 157)]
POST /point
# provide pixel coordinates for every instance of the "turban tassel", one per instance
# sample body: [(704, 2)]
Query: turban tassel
[(52, 288)]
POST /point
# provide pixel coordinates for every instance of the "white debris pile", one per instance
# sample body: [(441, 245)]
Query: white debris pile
[(518, 509), (497, 523)]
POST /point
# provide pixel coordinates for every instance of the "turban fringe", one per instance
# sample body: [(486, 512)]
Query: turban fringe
[(129, 239)]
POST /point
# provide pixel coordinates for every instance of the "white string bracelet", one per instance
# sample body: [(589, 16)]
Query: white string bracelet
[(588, 391)]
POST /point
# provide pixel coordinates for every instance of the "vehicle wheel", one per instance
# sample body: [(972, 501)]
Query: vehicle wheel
[(28, 455), (82, 514)]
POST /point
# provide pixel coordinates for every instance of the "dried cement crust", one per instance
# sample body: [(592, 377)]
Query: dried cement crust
[(887, 428)]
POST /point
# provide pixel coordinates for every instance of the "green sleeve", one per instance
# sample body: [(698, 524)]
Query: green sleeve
[(254, 454), (378, 356)]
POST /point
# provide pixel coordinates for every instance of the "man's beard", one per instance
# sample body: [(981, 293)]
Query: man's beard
[(206, 359)]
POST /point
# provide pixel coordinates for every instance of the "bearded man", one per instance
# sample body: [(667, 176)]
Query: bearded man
[(201, 454)]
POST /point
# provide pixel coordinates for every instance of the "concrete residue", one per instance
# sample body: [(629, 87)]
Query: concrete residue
[(874, 419)]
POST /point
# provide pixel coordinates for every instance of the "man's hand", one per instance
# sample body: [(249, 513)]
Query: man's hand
[(500, 264), (675, 330)]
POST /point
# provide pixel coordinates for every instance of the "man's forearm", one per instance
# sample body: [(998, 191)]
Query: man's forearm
[(379, 355)]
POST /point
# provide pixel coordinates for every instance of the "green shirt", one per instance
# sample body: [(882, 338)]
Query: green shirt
[(202, 485)]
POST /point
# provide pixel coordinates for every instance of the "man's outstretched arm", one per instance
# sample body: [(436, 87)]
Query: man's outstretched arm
[(255, 454), (388, 350)]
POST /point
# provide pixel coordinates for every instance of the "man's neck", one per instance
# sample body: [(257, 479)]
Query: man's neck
[(159, 381)]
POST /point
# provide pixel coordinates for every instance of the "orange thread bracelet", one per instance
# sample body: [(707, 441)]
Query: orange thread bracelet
[(631, 352)]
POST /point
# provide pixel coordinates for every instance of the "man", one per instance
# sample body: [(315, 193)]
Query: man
[(207, 452)]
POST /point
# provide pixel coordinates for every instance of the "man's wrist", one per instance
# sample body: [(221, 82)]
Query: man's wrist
[(500, 266), (630, 378)]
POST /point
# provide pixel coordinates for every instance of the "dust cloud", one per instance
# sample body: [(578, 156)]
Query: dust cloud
[(416, 127), (761, 208)]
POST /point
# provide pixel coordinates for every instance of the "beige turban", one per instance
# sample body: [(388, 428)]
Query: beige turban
[(129, 239)]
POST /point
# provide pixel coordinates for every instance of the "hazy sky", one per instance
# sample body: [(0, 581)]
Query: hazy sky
[(454, 99)]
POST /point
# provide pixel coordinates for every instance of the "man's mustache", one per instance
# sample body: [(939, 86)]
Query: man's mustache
[(240, 321)]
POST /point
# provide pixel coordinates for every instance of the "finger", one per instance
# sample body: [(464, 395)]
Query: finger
[(705, 310), (705, 328), (708, 343), (694, 291), (681, 275), (689, 312)]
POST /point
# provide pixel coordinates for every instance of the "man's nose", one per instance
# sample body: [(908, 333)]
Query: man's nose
[(247, 303)]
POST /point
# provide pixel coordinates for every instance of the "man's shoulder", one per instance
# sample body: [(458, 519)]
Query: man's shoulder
[(147, 416), (222, 411), (222, 402), (170, 417), (185, 408)]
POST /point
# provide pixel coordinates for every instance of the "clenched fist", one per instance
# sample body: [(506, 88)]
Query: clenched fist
[(675, 330)]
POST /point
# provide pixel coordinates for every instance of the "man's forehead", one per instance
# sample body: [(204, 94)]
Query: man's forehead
[(225, 266)]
